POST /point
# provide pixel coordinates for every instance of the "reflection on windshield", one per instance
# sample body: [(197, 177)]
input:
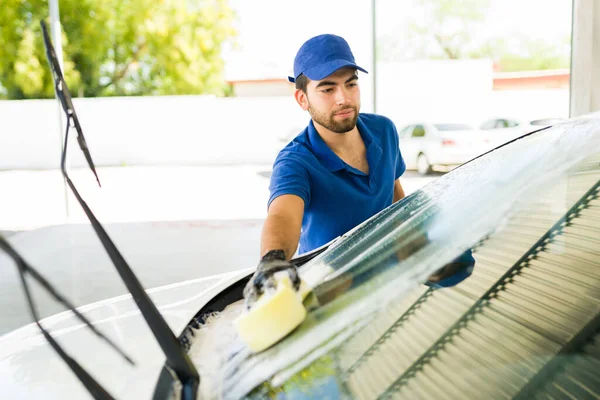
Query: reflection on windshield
[(505, 207)]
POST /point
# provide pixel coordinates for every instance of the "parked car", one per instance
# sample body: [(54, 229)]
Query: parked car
[(502, 130), (426, 146), (290, 134)]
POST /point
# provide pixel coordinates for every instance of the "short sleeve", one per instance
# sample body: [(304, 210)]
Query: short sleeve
[(289, 177)]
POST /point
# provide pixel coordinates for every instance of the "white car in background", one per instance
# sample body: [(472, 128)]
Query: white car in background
[(425, 146), (501, 130)]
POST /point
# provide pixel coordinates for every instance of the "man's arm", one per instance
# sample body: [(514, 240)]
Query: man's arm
[(398, 191), (282, 227)]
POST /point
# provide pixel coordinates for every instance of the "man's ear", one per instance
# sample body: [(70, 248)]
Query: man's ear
[(301, 98)]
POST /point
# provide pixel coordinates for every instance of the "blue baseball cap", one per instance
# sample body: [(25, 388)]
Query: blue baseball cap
[(321, 56)]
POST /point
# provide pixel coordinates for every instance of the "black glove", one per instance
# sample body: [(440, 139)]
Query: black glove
[(272, 262)]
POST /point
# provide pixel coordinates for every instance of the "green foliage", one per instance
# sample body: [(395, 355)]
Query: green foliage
[(527, 54), (451, 29), (446, 28), (117, 47)]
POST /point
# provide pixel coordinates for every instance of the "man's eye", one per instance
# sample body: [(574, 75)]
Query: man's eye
[(353, 84), (327, 90)]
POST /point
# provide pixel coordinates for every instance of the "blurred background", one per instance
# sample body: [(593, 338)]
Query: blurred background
[(185, 105)]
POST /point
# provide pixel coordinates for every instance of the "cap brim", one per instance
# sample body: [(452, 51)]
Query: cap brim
[(324, 70), (291, 79)]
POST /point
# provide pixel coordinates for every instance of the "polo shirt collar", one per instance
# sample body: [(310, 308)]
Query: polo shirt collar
[(331, 161), (328, 158)]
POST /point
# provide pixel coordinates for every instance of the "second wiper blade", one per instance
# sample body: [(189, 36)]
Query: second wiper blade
[(26, 268), (95, 389)]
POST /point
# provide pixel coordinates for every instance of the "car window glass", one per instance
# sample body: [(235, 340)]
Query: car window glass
[(489, 125), (404, 132), (418, 131), (546, 121)]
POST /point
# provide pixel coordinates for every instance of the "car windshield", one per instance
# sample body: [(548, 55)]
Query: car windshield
[(527, 212), (453, 127)]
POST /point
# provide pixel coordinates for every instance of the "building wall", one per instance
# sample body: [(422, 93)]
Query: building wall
[(554, 79), (149, 130), (427, 90), (263, 88), (459, 91), (187, 130)]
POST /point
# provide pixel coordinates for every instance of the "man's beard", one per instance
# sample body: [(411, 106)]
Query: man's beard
[(328, 121)]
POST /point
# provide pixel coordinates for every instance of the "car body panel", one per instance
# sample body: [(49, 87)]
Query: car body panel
[(442, 148), (29, 367)]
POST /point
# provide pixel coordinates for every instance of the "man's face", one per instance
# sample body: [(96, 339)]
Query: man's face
[(333, 102)]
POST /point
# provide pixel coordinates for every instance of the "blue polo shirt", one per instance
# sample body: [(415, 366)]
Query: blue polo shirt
[(337, 197)]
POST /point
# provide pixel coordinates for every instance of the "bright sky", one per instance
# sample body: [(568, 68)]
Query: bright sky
[(271, 31)]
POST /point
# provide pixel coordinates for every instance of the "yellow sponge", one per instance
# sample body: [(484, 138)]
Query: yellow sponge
[(273, 316)]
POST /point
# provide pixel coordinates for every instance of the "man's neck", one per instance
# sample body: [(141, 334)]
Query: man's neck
[(340, 143)]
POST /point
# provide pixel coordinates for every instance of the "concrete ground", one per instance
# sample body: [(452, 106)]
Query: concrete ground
[(171, 223)]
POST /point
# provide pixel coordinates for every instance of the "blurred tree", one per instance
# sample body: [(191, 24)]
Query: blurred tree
[(455, 29), (446, 26), (432, 29), (117, 47), (519, 53)]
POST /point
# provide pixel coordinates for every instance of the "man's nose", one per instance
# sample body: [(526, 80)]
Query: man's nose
[(341, 96)]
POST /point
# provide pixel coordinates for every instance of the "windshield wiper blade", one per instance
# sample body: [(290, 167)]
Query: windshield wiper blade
[(64, 97), (95, 389), (26, 268), (177, 358)]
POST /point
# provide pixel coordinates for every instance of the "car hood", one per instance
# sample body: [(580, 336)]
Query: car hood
[(30, 368)]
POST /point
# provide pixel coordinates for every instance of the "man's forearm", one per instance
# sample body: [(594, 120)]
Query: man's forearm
[(278, 234)]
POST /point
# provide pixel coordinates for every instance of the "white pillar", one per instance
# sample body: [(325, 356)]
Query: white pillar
[(55, 30), (585, 58), (55, 34)]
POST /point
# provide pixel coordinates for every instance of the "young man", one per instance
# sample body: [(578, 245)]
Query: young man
[(341, 170)]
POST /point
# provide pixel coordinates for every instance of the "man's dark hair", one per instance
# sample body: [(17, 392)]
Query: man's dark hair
[(302, 82)]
